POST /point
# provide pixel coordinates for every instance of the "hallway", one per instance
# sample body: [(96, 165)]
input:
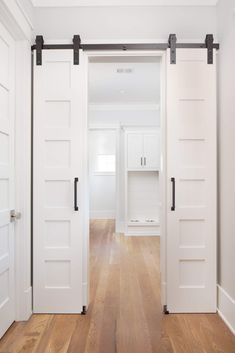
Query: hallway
[(125, 314)]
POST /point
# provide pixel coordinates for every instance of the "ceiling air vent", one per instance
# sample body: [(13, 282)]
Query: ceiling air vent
[(124, 71)]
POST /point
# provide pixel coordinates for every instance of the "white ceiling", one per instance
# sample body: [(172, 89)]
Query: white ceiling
[(70, 3), (141, 86)]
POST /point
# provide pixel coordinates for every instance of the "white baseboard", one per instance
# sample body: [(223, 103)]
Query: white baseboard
[(85, 294), (120, 227), (226, 308), (28, 304), (103, 214), (25, 307), (163, 293)]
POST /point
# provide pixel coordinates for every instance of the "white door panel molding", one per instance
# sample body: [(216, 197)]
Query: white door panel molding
[(191, 182), (58, 163)]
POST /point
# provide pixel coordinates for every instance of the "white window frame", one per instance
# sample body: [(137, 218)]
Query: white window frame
[(105, 172)]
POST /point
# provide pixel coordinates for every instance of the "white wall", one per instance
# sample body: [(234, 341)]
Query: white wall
[(125, 117), (105, 23), (226, 33), (102, 187)]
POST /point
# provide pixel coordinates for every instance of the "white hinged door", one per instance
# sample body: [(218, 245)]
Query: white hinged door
[(7, 171), (58, 207), (191, 162)]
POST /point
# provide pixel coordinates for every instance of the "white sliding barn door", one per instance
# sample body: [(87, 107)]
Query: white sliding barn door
[(7, 199), (59, 115), (191, 161)]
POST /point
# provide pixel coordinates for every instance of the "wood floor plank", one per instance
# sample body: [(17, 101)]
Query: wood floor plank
[(57, 338), (125, 311), (14, 334), (131, 297), (34, 330)]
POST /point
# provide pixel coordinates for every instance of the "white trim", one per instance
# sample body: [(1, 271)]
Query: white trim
[(128, 41), (108, 214), (86, 223), (226, 308), (120, 53), (162, 180), (24, 13), (104, 126), (124, 107), (123, 41), (23, 181), (85, 293), (117, 3), (120, 228), (163, 289), (117, 211), (14, 18)]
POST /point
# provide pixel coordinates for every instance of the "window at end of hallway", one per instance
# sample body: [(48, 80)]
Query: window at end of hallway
[(105, 164)]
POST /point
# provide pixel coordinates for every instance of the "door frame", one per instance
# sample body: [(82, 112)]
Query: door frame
[(163, 227), (15, 20), (163, 173)]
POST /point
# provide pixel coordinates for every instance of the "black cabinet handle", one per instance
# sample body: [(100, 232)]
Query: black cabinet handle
[(145, 161), (141, 161), (173, 194), (75, 194)]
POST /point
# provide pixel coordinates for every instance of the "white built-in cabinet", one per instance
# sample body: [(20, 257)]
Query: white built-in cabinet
[(142, 164), (143, 150)]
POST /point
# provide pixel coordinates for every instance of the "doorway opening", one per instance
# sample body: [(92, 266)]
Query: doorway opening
[(126, 147)]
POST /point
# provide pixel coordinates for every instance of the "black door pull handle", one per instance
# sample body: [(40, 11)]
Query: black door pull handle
[(75, 194), (173, 194)]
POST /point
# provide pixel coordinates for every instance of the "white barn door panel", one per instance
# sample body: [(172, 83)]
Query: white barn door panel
[(59, 89), (191, 161), (7, 200)]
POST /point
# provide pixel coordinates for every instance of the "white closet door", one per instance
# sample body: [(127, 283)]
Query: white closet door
[(7, 241), (151, 151), (134, 150), (59, 114), (191, 160)]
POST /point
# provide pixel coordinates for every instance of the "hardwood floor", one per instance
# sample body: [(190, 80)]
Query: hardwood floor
[(125, 315)]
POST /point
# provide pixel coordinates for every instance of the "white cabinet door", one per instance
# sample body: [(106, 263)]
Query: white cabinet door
[(191, 161), (151, 151), (59, 115), (134, 150), (7, 241)]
